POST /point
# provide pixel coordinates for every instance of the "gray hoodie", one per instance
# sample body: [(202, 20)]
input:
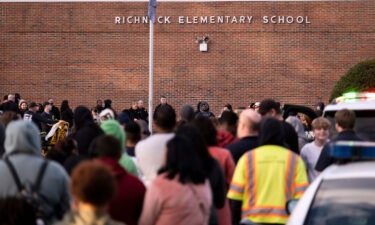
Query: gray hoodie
[(22, 147)]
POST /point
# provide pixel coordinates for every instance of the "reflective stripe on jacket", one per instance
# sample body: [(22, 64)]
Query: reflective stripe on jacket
[(264, 180)]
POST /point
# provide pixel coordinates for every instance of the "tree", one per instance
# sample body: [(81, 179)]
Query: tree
[(361, 77)]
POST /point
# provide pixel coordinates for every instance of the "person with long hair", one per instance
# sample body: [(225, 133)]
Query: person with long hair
[(66, 113), (210, 166), (209, 133), (181, 193)]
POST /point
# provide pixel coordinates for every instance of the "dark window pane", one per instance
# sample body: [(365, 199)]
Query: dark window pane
[(344, 202)]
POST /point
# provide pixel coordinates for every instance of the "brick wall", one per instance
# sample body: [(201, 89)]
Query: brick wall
[(75, 51)]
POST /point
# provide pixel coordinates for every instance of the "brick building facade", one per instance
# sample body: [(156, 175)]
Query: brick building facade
[(78, 51)]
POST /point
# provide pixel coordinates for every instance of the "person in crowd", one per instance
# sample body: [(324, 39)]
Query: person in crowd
[(256, 106), (40, 108), (22, 106), (56, 155), (319, 108), (47, 116), (227, 128), (298, 127), (145, 132), (123, 119), (33, 115), (22, 155), (16, 211), (266, 178), (85, 130), (306, 122), (17, 98), (95, 115), (112, 127), (269, 107), (345, 122), (99, 106), (142, 113), (187, 113), (93, 186), (2, 139), (209, 133), (108, 105), (4, 100), (163, 101), (211, 167), (198, 108), (69, 147), (8, 117), (106, 114), (150, 152), (66, 113), (126, 205), (54, 110), (227, 108), (228, 122), (181, 193), (132, 112), (204, 110), (311, 151), (10, 104), (133, 136), (247, 132)]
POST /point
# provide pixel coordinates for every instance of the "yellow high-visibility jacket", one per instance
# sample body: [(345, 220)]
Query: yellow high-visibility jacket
[(265, 178)]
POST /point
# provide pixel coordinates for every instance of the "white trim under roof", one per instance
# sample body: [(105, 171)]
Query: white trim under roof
[(26, 1)]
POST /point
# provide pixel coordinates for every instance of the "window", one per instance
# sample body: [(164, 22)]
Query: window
[(344, 202)]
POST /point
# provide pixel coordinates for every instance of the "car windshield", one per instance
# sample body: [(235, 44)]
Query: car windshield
[(344, 202), (364, 124)]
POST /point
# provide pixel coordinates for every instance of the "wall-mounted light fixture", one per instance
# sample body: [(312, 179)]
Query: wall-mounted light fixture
[(203, 43)]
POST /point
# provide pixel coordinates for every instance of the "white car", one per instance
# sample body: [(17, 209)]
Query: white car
[(363, 104), (344, 194)]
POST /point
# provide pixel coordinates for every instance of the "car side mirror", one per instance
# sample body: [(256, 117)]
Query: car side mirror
[(290, 205)]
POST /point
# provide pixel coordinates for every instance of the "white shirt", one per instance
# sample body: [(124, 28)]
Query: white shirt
[(150, 154), (310, 154)]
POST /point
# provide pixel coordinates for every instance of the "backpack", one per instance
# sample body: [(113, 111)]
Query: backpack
[(33, 197)]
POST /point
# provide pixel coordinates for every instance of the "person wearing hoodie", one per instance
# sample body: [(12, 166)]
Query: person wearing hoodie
[(298, 127), (126, 205), (22, 150), (112, 127), (204, 110), (85, 130)]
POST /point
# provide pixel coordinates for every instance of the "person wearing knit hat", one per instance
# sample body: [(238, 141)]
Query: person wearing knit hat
[(112, 127)]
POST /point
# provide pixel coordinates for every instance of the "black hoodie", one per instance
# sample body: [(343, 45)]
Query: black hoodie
[(85, 130)]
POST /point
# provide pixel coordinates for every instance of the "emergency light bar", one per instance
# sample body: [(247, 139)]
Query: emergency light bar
[(353, 150), (356, 96)]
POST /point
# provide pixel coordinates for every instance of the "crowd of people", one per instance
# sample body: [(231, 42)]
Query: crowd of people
[(193, 168)]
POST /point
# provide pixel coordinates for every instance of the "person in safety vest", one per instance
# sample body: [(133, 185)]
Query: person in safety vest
[(265, 178)]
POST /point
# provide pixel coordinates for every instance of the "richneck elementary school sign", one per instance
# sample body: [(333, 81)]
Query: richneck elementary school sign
[(274, 19)]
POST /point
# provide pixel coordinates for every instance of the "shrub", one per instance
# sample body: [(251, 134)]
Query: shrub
[(361, 77)]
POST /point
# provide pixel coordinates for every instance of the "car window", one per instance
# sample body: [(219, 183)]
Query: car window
[(364, 124), (344, 202)]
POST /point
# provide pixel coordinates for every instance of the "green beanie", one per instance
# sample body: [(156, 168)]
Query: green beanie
[(112, 127)]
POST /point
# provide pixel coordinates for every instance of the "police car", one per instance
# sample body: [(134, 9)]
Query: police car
[(344, 194), (363, 104)]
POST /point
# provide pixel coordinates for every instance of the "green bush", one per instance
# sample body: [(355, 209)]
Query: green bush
[(361, 77)]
